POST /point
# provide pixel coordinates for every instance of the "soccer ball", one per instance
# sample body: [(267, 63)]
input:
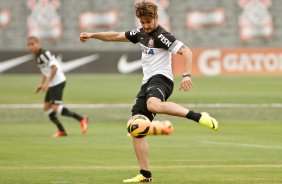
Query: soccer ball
[(156, 128), (161, 127), (167, 127), (138, 126)]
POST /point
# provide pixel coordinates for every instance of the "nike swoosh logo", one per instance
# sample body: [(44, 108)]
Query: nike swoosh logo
[(66, 66), (212, 124), (73, 64), (124, 66), (7, 64)]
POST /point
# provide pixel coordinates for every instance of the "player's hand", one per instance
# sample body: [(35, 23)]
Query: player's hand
[(39, 87), (84, 36), (45, 87), (186, 84)]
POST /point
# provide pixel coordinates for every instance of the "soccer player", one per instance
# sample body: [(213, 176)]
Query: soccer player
[(157, 85), (52, 83)]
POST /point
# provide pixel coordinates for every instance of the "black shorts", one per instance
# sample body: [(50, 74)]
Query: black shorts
[(54, 94), (157, 86)]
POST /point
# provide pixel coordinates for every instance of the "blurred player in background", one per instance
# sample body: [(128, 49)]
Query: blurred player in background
[(52, 83), (157, 85)]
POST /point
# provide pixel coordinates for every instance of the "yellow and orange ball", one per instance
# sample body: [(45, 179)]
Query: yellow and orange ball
[(161, 127), (138, 126)]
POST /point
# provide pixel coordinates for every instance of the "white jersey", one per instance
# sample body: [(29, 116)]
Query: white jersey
[(45, 60), (156, 48)]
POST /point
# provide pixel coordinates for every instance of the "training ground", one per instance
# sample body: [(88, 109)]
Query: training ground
[(247, 148)]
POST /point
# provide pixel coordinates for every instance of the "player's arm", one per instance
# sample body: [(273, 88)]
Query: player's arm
[(187, 55), (186, 83), (39, 87), (53, 72), (104, 36)]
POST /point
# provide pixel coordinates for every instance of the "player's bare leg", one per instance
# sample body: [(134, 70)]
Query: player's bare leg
[(155, 105), (141, 148), (47, 106)]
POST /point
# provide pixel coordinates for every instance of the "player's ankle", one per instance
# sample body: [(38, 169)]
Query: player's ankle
[(145, 173), (194, 116)]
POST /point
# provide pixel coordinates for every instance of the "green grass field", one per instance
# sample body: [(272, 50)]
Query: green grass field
[(246, 150)]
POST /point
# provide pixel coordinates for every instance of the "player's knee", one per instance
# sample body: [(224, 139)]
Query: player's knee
[(47, 106), (56, 107), (153, 106)]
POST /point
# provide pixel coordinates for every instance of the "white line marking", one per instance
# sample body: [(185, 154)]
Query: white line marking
[(127, 167), (84, 106), (243, 145), (98, 106)]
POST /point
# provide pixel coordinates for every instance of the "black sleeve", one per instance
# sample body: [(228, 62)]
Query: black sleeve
[(133, 35), (166, 40)]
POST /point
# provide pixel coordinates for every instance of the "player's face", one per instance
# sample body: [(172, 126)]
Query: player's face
[(33, 46), (148, 24)]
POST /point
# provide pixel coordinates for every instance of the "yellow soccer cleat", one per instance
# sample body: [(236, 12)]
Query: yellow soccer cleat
[(138, 179), (208, 121)]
